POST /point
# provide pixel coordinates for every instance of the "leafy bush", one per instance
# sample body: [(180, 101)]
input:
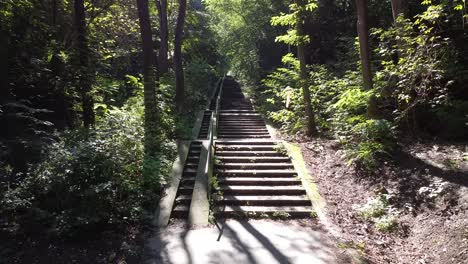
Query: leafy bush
[(91, 177), (418, 66), (201, 77), (374, 208), (363, 138), (282, 97), (386, 223)]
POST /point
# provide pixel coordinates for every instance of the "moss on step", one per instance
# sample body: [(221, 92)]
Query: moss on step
[(295, 153)]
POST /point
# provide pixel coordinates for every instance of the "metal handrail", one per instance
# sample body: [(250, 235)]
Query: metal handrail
[(212, 133)]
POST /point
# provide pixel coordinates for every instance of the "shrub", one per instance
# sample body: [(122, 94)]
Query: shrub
[(386, 223), (374, 208), (91, 178), (418, 67)]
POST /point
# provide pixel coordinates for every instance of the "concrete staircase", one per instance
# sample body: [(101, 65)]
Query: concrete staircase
[(254, 175), (203, 134), (255, 178), (185, 191)]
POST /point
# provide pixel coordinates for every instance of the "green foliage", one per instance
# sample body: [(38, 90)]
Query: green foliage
[(386, 223), (280, 215), (201, 78), (374, 208), (91, 177), (282, 96), (297, 13), (420, 75), (242, 28)]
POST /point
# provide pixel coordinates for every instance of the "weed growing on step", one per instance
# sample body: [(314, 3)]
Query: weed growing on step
[(313, 215), (280, 215), (352, 245), (280, 148)]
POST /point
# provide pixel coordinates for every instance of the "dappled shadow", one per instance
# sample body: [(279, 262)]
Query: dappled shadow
[(279, 256), (410, 174), (158, 247), (242, 242)]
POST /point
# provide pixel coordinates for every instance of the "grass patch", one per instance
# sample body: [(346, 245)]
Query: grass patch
[(376, 211), (386, 223)]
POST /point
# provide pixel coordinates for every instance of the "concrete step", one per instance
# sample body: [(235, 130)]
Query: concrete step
[(266, 200), (189, 172), (195, 152), (261, 190), (246, 147), (246, 136), (193, 160), (184, 199), (239, 125), (253, 159), (242, 153), (236, 111), (234, 127), (187, 190), (187, 181), (256, 173), (253, 166), (240, 122), (292, 211), (245, 142), (259, 181), (243, 129), (180, 211), (234, 114), (191, 164)]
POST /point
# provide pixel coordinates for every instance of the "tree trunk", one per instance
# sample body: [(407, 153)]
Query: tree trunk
[(363, 32), (398, 8), (4, 69), (311, 126), (149, 80), (163, 62), (84, 75), (178, 67)]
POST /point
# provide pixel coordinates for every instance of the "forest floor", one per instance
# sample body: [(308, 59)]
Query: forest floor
[(427, 189)]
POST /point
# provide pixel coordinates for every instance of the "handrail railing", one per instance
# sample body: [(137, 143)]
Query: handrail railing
[(212, 135)]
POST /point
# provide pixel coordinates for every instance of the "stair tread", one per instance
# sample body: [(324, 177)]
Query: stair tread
[(279, 171), (253, 158), (250, 208), (255, 187), (265, 197), (181, 207), (260, 164)]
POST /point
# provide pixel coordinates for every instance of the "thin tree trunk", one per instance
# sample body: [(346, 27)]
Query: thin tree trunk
[(4, 69), (163, 62), (84, 82), (178, 67), (398, 8), (311, 126), (363, 32), (150, 80)]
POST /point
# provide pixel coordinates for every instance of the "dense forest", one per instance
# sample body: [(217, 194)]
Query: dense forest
[(96, 94)]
